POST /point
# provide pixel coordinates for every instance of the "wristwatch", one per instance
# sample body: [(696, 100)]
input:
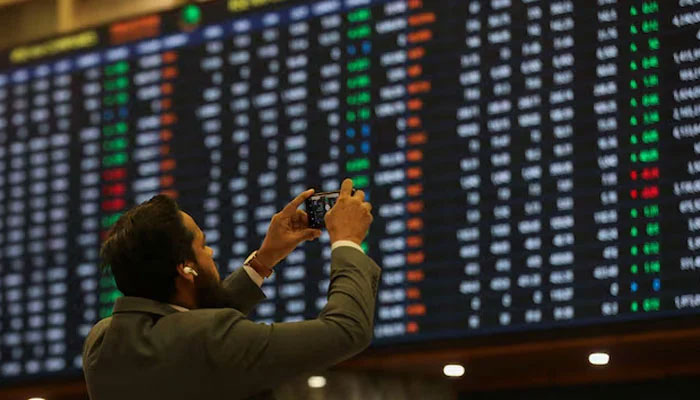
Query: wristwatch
[(257, 266)]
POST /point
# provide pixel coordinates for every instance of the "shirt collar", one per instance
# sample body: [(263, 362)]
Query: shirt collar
[(179, 308)]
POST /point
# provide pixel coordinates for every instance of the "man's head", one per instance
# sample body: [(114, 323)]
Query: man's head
[(149, 249)]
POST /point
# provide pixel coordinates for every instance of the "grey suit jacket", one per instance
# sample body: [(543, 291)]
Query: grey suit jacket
[(147, 350)]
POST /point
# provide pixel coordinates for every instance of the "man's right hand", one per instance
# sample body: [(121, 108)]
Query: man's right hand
[(350, 217)]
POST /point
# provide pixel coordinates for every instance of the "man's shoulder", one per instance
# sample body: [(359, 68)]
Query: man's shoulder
[(182, 322), (200, 318), (167, 331), (98, 329), (94, 339), (199, 323)]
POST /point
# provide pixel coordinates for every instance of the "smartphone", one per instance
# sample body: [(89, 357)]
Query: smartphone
[(318, 205)]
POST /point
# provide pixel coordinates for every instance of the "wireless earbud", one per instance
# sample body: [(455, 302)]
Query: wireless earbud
[(189, 270)]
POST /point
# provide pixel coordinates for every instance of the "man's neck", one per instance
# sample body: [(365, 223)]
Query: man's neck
[(184, 296), (180, 300)]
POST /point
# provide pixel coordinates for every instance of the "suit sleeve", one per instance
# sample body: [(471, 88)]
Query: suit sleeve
[(273, 353), (247, 293)]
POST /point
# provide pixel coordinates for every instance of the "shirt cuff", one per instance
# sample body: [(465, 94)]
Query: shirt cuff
[(254, 276), (346, 243)]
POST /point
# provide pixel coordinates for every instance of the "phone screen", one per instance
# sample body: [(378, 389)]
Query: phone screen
[(318, 205)]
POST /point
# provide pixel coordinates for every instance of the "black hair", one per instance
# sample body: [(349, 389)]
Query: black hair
[(144, 248)]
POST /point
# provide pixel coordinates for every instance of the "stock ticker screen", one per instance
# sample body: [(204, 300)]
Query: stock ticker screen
[(532, 164)]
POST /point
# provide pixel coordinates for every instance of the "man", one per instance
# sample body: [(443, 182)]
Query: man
[(179, 333)]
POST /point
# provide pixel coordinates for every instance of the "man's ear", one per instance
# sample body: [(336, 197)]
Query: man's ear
[(182, 274)]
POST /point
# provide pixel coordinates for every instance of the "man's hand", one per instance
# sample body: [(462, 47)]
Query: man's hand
[(350, 217), (288, 228)]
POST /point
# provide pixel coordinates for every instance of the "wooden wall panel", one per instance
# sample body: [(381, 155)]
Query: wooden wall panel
[(26, 20)]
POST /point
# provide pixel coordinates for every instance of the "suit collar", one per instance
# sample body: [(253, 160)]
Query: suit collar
[(140, 304)]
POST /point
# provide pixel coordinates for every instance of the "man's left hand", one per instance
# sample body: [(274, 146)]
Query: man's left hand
[(288, 228)]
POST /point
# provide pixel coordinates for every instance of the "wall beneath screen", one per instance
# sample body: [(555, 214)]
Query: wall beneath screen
[(367, 386), (339, 386), (647, 390)]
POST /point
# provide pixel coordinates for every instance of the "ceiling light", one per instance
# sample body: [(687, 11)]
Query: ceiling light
[(317, 382), (599, 358), (453, 370), (37, 398)]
